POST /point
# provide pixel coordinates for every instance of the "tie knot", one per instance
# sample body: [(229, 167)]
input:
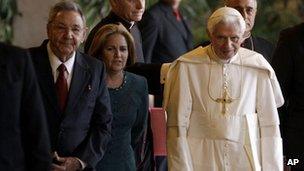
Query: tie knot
[(177, 14), (61, 68)]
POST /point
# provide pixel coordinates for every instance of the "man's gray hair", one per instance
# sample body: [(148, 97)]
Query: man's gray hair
[(225, 3), (226, 15), (65, 6)]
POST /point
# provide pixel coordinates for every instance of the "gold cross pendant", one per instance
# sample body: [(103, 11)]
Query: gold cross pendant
[(225, 100)]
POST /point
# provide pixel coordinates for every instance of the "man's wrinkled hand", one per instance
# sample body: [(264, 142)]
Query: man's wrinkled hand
[(66, 164)]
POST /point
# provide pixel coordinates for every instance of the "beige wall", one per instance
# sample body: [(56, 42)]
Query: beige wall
[(30, 27)]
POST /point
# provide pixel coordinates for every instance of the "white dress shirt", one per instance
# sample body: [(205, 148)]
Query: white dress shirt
[(55, 63)]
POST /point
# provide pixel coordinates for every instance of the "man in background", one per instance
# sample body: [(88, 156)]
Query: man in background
[(288, 64), (248, 9), (165, 32), (127, 12)]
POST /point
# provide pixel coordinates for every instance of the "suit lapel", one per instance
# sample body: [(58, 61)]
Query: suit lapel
[(169, 15), (45, 77), (174, 22), (187, 25), (80, 80)]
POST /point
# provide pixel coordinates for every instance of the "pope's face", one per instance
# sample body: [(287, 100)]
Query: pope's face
[(226, 40), (130, 10), (248, 10)]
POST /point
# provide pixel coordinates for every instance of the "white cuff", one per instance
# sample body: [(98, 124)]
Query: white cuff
[(272, 153)]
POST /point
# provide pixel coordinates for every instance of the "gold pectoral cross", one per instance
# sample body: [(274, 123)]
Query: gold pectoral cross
[(225, 100)]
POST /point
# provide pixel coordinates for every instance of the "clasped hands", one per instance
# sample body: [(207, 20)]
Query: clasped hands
[(65, 163)]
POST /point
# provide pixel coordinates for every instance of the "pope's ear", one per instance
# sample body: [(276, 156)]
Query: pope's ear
[(242, 38)]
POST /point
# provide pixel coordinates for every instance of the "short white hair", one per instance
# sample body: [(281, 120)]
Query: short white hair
[(226, 15)]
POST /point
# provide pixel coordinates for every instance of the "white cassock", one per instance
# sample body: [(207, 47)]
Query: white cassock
[(204, 133)]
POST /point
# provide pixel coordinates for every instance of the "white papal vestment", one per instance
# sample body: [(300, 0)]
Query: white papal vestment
[(207, 135)]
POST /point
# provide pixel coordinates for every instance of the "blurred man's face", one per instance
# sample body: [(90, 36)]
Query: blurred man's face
[(130, 10), (226, 40), (173, 3), (248, 10)]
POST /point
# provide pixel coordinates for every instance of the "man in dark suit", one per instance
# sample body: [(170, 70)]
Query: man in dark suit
[(128, 13), (24, 142), (288, 63), (74, 91), (165, 32), (248, 9)]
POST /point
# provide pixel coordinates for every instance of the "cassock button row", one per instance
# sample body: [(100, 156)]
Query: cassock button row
[(226, 145)]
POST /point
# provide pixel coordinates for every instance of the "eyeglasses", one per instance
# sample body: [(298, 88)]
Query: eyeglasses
[(61, 28)]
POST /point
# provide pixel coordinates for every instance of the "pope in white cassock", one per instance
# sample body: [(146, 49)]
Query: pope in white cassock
[(222, 102)]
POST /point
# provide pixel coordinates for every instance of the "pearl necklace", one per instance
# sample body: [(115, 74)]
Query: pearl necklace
[(122, 85)]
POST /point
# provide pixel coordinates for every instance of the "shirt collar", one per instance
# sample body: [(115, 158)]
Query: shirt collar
[(126, 23), (55, 62)]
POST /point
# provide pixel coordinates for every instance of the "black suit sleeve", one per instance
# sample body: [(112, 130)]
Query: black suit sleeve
[(33, 121), (93, 149), (283, 65), (149, 32)]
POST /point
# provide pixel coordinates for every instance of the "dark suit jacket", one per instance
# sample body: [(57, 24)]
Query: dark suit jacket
[(164, 38), (114, 19), (83, 130), (259, 45), (288, 63), (24, 142)]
